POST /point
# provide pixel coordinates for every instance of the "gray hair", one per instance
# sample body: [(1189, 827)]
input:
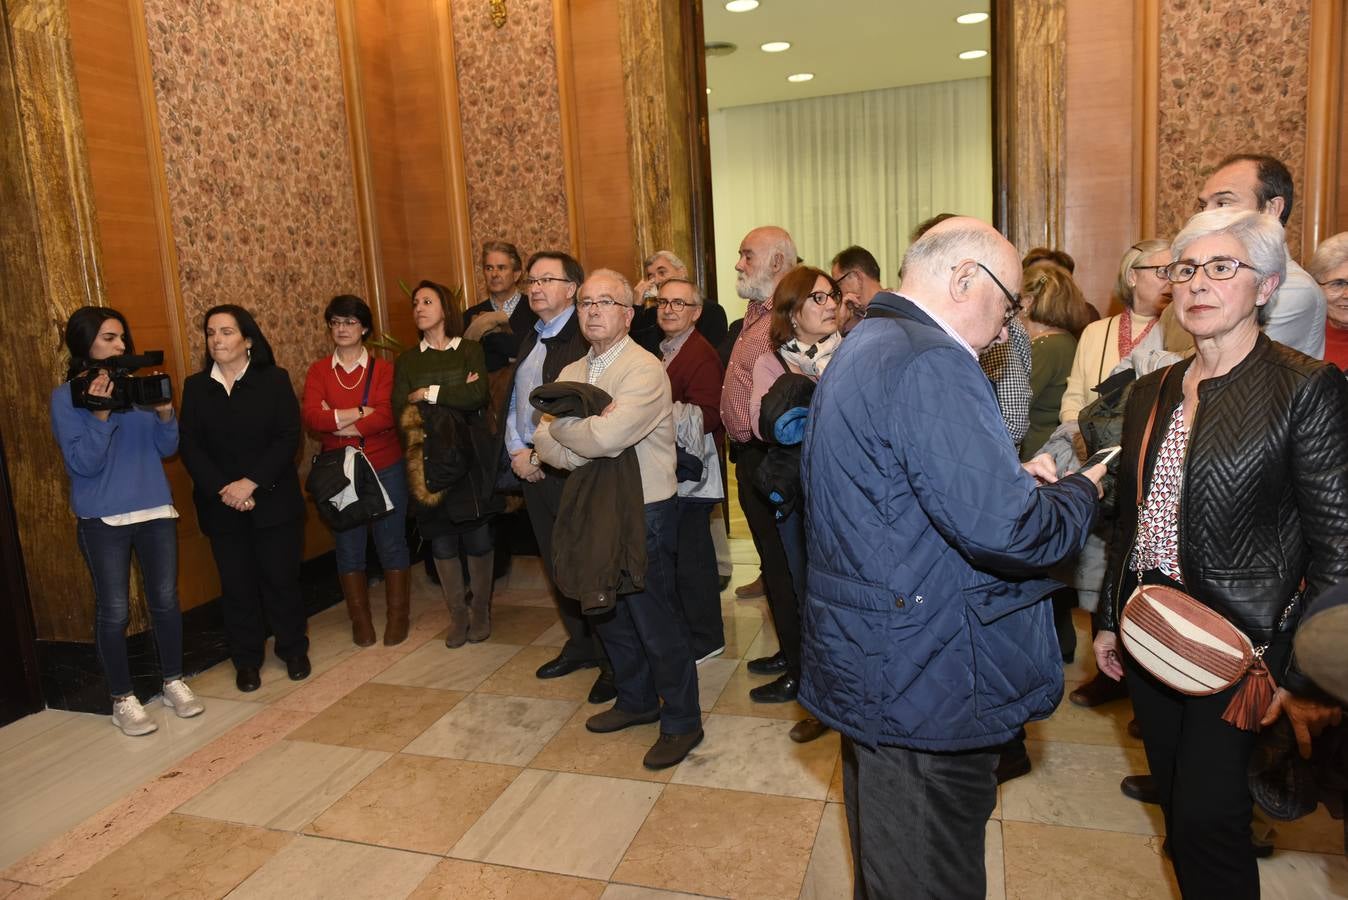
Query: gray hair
[(938, 251), (697, 291), (668, 256), (624, 286), (1122, 289), (1332, 253), (1260, 233)]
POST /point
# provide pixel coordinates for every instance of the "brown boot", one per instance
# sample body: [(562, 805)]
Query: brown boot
[(399, 606), (355, 590), (451, 582), (480, 581)]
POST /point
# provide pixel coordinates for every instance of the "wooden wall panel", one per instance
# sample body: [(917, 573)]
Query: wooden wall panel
[(1340, 218)]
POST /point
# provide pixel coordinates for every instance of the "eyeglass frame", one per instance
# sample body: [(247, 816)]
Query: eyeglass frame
[(603, 303), (1159, 271), (682, 304), (338, 321), (1339, 291), (545, 280), (1013, 299), (1239, 264), (834, 295)]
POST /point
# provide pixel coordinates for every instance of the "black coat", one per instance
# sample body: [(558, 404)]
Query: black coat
[(252, 432), (563, 348), (499, 348)]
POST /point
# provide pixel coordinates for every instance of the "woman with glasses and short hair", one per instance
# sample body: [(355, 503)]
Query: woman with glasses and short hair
[(1329, 267), (1243, 474), (348, 403)]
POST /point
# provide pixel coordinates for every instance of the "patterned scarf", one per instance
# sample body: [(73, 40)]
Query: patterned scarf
[(1126, 342), (811, 360)]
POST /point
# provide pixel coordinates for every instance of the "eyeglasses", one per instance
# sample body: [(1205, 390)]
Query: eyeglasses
[(344, 323), (1158, 271), (545, 280), (1012, 299), (822, 297), (604, 303), (856, 309), (1219, 268), (678, 305), (1335, 288)]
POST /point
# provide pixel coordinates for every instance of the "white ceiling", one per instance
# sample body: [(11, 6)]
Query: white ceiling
[(849, 45)]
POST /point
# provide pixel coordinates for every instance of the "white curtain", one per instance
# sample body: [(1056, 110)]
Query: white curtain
[(861, 168)]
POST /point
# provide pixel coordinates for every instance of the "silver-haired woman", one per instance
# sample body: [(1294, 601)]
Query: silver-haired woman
[(1329, 267)]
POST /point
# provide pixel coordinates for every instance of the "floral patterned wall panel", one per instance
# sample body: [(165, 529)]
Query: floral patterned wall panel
[(1233, 79), (258, 164), (512, 131)]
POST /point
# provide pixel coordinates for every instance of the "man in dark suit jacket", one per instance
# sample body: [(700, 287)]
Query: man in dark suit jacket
[(503, 320)]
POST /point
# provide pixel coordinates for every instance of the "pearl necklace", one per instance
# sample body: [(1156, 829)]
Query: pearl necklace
[(337, 373)]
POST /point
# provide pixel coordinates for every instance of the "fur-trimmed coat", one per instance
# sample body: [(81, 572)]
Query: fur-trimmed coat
[(438, 432)]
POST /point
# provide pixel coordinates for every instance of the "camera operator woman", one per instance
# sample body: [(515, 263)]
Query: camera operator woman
[(121, 496), (240, 431), (338, 406)]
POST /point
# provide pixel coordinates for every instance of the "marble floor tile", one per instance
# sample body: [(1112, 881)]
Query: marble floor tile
[(420, 803), (433, 665), (994, 861), (1077, 785), (218, 680), (712, 677), (180, 856), (320, 869), (1105, 725), (457, 879), (554, 637), (1082, 668), (319, 692), (286, 785), (539, 598), (1317, 833), (632, 892), (690, 844), (488, 728), (520, 624), (747, 754), (829, 874), (517, 679), (1049, 861), (617, 754), (378, 717), (747, 609), (835, 784), (64, 767), (734, 699), (740, 632), (1303, 876), (559, 822), (526, 573)]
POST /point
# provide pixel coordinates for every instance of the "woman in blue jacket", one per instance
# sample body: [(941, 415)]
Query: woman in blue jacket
[(121, 496)]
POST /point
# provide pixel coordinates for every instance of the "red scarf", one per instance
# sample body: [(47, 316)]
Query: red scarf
[(1126, 342)]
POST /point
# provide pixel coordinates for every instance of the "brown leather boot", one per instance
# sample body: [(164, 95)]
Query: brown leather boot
[(480, 582), (399, 604), (355, 590), (451, 582)]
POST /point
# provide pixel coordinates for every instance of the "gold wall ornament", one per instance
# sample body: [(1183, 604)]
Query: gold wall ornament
[(498, 12)]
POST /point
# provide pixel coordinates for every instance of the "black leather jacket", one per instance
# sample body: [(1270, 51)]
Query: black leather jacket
[(1264, 504)]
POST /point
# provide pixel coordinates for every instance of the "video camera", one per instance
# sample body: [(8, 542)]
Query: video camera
[(127, 390)]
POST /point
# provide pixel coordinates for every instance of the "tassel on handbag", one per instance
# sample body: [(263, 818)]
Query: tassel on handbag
[(1253, 697)]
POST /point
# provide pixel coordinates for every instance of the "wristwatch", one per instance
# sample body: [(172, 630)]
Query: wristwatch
[(533, 459)]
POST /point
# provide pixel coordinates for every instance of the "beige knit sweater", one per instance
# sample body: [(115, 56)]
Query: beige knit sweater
[(642, 416)]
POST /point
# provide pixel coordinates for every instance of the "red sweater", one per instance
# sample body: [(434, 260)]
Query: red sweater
[(695, 377), (1336, 346), (321, 385)]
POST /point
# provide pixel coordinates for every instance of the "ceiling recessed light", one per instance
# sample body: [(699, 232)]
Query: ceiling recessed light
[(799, 77), (775, 46), (973, 54), (741, 5), (971, 18)]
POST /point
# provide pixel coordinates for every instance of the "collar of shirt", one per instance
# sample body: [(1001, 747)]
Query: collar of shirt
[(360, 362), (453, 345), (550, 329), (598, 364), (755, 311), (509, 306), (945, 326), (217, 375), (670, 346)]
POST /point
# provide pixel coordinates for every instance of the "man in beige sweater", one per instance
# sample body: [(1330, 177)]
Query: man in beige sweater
[(646, 635)]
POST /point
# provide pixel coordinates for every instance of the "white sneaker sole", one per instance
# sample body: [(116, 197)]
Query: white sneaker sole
[(712, 655), (168, 704), (131, 731)]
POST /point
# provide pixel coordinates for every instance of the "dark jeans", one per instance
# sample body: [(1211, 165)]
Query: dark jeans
[(478, 542), (647, 638), (772, 556), (260, 586), (792, 532), (107, 551), (543, 500), (696, 578), (917, 821), (390, 531)]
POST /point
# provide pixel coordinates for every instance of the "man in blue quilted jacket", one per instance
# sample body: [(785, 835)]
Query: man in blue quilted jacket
[(928, 633)]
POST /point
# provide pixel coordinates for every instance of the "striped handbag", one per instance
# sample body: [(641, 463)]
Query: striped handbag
[(1188, 646)]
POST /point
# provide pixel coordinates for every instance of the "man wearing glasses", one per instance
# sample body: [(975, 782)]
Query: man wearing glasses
[(556, 341), (927, 633), (645, 634), (858, 276)]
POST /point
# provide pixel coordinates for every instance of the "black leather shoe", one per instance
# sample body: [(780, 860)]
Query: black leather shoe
[(783, 690), (560, 666), (248, 679), (768, 665), (604, 689), (297, 667), (1141, 788)]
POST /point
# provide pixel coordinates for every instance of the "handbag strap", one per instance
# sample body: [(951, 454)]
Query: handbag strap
[(365, 397), (1146, 434)]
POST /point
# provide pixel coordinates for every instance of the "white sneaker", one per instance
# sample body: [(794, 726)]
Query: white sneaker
[(179, 698), (131, 717), (712, 655)]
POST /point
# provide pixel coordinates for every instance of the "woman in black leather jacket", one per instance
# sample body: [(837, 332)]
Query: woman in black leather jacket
[(1245, 487)]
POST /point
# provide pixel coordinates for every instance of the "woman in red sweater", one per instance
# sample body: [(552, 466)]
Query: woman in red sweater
[(336, 408)]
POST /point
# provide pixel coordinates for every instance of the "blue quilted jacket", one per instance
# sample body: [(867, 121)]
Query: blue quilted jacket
[(926, 622)]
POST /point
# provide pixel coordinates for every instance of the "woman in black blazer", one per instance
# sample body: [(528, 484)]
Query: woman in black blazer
[(238, 434)]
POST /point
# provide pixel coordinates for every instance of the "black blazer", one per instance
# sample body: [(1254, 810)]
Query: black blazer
[(502, 349), (253, 432)]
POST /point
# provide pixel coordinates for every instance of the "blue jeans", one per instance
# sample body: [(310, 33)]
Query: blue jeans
[(107, 551), (647, 637), (390, 534)]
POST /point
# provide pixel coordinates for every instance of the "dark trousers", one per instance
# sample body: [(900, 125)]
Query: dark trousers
[(1199, 763), (543, 500), (260, 588), (107, 551), (696, 578), (772, 556), (917, 821), (647, 638)]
